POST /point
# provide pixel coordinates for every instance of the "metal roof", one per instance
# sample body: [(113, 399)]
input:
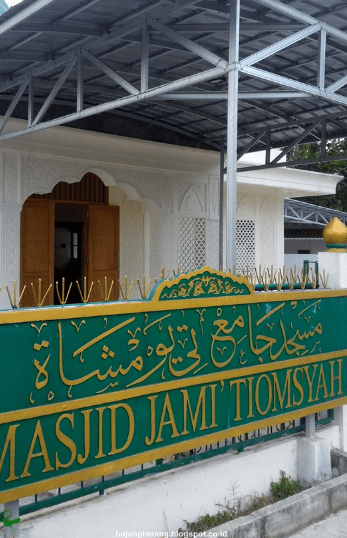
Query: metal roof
[(164, 63), (296, 211)]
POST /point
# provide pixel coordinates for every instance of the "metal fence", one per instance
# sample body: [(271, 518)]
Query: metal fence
[(100, 485)]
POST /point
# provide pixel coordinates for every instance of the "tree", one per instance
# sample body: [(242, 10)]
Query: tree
[(309, 151)]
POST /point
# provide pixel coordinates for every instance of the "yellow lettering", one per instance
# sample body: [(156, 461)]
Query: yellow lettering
[(194, 419), (167, 408), (321, 384), (66, 441), (278, 391), (86, 429), (129, 412), (148, 440), (100, 453), (38, 434), (257, 403), (298, 386), (310, 381), (10, 442), (213, 406), (237, 382), (250, 397), (335, 378)]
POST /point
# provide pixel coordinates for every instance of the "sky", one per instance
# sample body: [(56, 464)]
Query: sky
[(12, 2)]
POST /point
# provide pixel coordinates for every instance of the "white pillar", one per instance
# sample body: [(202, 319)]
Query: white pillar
[(335, 265), (232, 135)]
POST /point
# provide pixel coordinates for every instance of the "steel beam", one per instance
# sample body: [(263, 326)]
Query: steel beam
[(287, 10), (280, 45), (13, 104), (23, 14), (144, 56), (79, 82), (231, 210), (110, 73), (55, 90), (188, 44), (322, 45), (221, 202)]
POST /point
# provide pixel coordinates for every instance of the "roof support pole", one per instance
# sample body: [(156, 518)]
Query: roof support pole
[(232, 135), (221, 203)]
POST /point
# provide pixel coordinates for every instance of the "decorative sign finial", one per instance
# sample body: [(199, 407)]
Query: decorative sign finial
[(335, 236)]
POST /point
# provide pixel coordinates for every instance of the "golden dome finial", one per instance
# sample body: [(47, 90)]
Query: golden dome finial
[(335, 236)]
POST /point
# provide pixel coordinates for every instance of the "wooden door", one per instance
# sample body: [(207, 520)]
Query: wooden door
[(37, 249), (103, 249)]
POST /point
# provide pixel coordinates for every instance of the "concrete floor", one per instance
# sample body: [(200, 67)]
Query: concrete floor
[(334, 526)]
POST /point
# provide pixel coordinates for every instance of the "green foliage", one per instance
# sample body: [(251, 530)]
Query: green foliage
[(208, 522), (313, 150), (284, 488), (238, 508)]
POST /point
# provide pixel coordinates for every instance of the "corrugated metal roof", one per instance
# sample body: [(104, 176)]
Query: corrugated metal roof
[(37, 34)]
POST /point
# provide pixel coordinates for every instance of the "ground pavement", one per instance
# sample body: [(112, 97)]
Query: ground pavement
[(334, 526)]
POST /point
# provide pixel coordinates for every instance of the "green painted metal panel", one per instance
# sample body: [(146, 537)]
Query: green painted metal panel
[(88, 390)]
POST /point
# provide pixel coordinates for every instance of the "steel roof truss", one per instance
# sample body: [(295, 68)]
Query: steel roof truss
[(111, 74), (14, 103), (188, 44), (280, 45), (55, 90), (251, 144)]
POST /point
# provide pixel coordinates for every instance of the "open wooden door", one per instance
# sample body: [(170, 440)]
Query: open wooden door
[(37, 249), (103, 249)]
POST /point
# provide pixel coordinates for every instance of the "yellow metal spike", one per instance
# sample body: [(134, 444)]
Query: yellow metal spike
[(63, 298), (14, 303), (324, 279), (38, 299), (86, 294), (125, 293), (144, 291), (105, 292)]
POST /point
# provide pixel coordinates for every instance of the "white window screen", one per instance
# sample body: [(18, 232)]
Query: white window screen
[(191, 243)]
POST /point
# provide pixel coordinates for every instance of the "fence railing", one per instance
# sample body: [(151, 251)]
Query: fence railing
[(100, 485), (261, 279)]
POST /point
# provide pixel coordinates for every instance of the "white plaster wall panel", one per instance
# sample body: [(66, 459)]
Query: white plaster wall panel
[(214, 244), (147, 183), (267, 233), (41, 175), (279, 241), (169, 243), (155, 245), (246, 207), (192, 197), (166, 195), (9, 250), (11, 177), (214, 197), (131, 238)]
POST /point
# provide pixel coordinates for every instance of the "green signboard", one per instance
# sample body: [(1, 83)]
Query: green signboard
[(89, 390)]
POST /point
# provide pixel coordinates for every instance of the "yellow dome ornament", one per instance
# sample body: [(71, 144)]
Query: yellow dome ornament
[(335, 236)]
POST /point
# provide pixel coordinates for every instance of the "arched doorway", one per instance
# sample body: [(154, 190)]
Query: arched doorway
[(73, 233)]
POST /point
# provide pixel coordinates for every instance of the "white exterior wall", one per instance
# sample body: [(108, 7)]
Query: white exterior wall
[(157, 187)]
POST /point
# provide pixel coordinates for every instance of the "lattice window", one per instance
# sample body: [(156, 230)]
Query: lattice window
[(245, 244), (191, 243)]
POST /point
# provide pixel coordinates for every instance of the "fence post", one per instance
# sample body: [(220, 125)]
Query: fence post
[(334, 263), (11, 512)]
